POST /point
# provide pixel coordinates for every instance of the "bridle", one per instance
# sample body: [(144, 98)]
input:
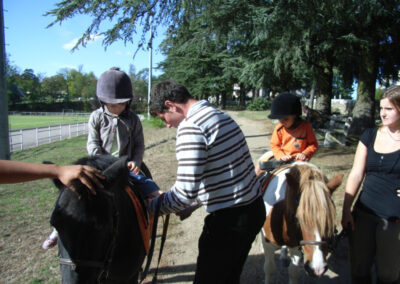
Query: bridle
[(313, 243), (105, 264), (331, 244)]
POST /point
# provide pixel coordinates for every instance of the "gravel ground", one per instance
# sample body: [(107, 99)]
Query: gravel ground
[(179, 257)]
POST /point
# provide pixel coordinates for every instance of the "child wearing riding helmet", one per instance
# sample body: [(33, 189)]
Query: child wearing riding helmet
[(293, 138), (115, 130)]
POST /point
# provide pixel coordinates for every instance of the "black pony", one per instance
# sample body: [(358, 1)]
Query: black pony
[(99, 235)]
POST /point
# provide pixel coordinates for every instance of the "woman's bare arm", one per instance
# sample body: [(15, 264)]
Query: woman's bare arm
[(15, 171)]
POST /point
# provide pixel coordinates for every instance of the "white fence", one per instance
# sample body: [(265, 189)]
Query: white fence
[(33, 137)]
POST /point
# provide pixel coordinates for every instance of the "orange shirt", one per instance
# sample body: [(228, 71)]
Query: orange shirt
[(293, 141)]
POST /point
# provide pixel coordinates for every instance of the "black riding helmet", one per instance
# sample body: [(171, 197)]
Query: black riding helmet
[(285, 104), (114, 87)]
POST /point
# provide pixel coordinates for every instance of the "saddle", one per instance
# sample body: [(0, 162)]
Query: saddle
[(267, 168), (145, 224)]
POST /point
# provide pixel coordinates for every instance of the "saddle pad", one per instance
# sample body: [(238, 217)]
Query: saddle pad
[(277, 182), (145, 227)]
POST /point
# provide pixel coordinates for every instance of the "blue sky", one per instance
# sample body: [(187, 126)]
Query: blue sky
[(29, 44)]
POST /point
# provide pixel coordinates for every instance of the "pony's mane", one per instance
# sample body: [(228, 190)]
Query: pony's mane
[(96, 209), (312, 198)]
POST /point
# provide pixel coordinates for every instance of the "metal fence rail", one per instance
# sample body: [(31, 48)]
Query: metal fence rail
[(33, 137)]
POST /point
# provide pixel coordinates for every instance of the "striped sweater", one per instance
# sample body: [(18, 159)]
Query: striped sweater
[(214, 163)]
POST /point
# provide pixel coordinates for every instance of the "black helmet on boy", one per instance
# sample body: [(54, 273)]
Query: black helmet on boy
[(285, 104), (114, 87)]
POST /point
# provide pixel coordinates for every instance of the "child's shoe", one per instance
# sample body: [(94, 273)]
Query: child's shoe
[(51, 240)]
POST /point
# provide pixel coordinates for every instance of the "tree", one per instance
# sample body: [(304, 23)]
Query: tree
[(278, 45), (54, 87), (376, 54), (125, 16), (194, 58), (14, 92), (30, 85)]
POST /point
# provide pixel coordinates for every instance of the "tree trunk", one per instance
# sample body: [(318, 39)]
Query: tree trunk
[(312, 97), (323, 81), (223, 100), (242, 97), (364, 108)]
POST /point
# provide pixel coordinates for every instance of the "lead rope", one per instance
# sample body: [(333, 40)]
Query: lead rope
[(153, 238), (163, 239)]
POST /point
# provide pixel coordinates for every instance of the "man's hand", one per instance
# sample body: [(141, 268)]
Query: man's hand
[(133, 168), (87, 175)]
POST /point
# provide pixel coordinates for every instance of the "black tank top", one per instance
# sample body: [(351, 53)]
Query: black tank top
[(382, 179)]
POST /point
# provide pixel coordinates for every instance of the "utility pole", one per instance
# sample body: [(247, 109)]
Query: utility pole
[(4, 139), (150, 46)]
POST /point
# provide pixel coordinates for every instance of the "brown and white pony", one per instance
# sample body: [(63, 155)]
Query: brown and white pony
[(300, 214)]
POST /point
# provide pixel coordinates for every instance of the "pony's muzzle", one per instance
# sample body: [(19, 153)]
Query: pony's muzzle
[(314, 273)]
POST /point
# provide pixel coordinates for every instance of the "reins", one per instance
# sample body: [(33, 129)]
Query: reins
[(153, 240)]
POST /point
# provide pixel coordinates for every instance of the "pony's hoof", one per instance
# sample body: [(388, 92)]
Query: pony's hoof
[(284, 262), (284, 259)]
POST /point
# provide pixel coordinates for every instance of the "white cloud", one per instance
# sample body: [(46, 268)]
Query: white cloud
[(72, 43), (124, 53)]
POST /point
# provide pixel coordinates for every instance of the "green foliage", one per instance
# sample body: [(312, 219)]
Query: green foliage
[(259, 104), (153, 122), (379, 93), (277, 45)]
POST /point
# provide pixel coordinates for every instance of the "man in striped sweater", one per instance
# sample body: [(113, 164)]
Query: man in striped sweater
[(215, 169)]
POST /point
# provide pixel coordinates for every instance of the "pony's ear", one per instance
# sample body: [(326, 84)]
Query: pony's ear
[(115, 169), (335, 182), (56, 181)]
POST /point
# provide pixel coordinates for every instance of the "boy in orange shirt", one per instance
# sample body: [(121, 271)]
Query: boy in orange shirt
[(293, 138)]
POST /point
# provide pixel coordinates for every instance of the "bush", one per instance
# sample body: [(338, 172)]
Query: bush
[(153, 122), (259, 104)]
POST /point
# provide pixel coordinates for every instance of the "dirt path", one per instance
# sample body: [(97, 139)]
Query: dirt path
[(180, 253)]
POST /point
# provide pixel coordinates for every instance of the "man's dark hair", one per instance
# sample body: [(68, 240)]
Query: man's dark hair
[(167, 90)]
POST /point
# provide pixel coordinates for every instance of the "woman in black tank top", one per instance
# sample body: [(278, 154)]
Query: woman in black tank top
[(375, 220)]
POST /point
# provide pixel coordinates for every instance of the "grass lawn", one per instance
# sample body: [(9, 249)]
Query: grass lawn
[(25, 210), (255, 115), (30, 121)]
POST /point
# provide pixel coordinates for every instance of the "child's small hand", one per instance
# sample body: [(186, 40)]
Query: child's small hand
[(300, 157), (286, 158), (133, 168)]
